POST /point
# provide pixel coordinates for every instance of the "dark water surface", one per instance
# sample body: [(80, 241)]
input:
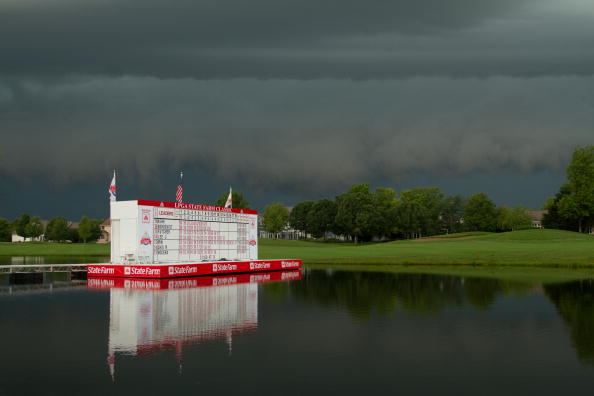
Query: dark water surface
[(331, 332)]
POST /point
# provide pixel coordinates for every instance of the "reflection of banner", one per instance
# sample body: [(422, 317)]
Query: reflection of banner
[(198, 281), (150, 315)]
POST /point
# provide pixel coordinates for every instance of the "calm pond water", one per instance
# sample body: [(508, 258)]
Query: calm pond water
[(324, 332)]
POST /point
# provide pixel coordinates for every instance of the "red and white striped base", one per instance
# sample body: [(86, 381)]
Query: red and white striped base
[(178, 270)]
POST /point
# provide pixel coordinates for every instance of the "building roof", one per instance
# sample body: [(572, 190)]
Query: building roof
[(538, 214)]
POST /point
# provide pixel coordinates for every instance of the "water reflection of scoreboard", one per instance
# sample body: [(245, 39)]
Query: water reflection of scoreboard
[(194, 235)]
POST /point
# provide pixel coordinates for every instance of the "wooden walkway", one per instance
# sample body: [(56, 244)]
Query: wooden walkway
[(33, 268)]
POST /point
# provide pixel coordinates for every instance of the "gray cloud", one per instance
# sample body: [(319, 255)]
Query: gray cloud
[(296, 38), (287, 134)]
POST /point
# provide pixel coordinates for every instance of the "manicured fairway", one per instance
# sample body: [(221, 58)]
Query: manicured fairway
[(530, 247), (53, 249), (550, 248)]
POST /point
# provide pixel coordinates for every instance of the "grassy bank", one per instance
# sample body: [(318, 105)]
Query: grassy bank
[(548, 248), (53, 249), (551, 248)]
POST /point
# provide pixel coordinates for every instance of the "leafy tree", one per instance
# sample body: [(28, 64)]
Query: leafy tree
[(5, 230), (553, 218), (20, 225), (73, 235), (85, 228), (96, 229), (451, 214), (275, 217), (386, 204), (356, 213), (408, 215), (321, 216), (430, 201), (298, 216), (237, 200), (34, 229), (57, 229), (480, 213), (517, 218), (579, 203)]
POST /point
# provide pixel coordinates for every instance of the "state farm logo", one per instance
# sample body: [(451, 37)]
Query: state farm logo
[(145, 240), (100, 270), (259, 266), (289, 264), (141, 271), (183, 270), (224, 267), (252, 242)]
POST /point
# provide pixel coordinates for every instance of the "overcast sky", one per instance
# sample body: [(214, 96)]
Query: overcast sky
[(289, 99)]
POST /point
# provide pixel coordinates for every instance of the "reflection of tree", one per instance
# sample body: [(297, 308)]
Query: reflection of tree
[(575, 303), (365, 293)]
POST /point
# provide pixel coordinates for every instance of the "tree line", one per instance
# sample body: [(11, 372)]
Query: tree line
[(362, 215), (57, 229)]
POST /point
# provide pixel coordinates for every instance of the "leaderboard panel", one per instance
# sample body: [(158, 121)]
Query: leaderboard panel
[(182, 235)]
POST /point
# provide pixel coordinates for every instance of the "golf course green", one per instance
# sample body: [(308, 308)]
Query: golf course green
[(550, 248)]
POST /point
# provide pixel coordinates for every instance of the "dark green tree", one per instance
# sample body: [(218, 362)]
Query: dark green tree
[(321, 216), (5, 230), (517, 218), (386, 205), (238, 201), (553, 219), (579, 203), (20, 225), (451, 214), (408, 218), (275, 217), (298, 216), (34, 229), (480, 213), (85, 228), (430, 200), (73, 235), (356, 213), (57, 229)]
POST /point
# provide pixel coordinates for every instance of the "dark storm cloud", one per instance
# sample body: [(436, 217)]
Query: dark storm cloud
[(295, 38), (293, 95), (320, 134)]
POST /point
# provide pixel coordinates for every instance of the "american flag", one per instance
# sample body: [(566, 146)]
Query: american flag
[(179, 194)]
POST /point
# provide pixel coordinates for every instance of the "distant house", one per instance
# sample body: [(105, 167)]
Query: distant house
[(18, 238), (105, 232), (537, 216)]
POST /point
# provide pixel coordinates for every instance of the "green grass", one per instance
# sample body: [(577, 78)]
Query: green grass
[(53, 249), (544, 248), (551, 248)]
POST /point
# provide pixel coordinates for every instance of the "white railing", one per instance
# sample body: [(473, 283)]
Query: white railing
[(26, 268)]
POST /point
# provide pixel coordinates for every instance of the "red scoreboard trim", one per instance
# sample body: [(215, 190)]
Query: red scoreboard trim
[(178, 270), (176, 205), (190, 283)]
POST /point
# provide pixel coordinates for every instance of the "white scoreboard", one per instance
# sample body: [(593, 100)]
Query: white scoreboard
[(169, 232)]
